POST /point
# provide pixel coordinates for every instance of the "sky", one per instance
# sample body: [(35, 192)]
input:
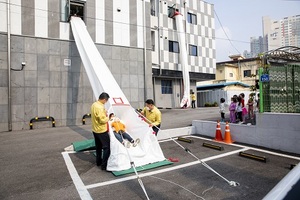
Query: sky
[(242, 19)]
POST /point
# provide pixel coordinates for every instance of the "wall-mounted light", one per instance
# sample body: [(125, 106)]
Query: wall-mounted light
[(119, 9)]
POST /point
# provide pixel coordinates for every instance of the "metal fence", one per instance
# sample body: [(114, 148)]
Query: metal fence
[(212, 96), (281, 93), (204, 97)]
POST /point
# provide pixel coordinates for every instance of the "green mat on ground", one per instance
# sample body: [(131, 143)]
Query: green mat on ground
[(84, 145), (142, 168)]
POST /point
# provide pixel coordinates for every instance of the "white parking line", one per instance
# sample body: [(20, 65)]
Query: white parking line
[(162, 170), (81, 189)]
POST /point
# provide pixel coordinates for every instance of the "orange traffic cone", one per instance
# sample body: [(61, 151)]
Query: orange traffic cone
[(227, 137), (218, 136)]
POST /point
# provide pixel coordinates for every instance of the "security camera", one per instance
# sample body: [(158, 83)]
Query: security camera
[(23, 64)]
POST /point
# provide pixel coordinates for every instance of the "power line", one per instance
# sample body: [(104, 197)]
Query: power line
[(226, 33)]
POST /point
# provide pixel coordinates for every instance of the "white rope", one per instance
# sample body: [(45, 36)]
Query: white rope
[(232, 183), (178, 186), (208, 189)]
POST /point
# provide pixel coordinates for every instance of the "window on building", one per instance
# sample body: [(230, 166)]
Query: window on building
[(247, 73), (193, 50), (153, 40), (64, 10), (191, 18), (166, 87), (230, 74), (171, 11), (173, 46), (152, 3), (69, 8)]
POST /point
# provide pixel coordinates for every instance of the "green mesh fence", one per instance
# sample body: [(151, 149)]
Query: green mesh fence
[(281, 94)]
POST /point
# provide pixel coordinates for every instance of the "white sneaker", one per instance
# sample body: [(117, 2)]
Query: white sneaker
[(127, 144), (136, 142)]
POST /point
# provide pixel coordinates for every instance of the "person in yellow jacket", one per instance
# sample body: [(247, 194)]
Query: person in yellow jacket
[(153, 115), (193, 98), (99, 120), (120, 133)]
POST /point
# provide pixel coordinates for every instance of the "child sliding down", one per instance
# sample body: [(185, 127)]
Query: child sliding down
[(120, 132)]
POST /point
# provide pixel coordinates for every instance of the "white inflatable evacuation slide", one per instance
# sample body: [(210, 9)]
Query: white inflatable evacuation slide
[(183, 60), (148, 150)]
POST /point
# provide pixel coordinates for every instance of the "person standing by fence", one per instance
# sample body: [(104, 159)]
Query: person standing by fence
[(193, 98), (232, 110), (222, 109)]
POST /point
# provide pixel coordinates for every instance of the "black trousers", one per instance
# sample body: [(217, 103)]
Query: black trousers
[(240, 116), (223, 115), (156, 129), (102, 142), (193, 104)]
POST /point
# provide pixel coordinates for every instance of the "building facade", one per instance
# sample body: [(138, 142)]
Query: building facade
[(199, 26), (42, 73), (244, 71), (41, 70), (256, 47), (283, 32)]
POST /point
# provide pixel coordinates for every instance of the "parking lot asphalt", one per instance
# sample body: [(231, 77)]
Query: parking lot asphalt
[(34, 165)]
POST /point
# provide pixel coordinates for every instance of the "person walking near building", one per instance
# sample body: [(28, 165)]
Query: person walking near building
[(222, 109), (193, 98), (99, 120), (257, 103), (232, 109), (244, 109), (239, 110), (153, 115), (250, 107)]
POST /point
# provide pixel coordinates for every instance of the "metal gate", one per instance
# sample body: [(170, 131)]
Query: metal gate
[(282, 92)]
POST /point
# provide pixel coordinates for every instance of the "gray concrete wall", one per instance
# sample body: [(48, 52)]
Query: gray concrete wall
[(272, 130), (176, 132), (48, 87)]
